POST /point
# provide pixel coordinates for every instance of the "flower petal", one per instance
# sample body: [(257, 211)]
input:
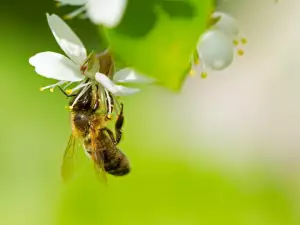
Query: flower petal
[(56, 66), (72, 2), (130, 76), (67, 39), (215, 50), (117, 90), (107, 12), (227, 24)]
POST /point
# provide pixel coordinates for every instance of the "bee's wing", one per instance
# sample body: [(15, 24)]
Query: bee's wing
[(99, 166), (67, 168)]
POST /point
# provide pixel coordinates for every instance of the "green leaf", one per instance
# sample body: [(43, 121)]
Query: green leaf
[(158, 37)]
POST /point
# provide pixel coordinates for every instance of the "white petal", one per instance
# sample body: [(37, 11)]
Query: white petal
[(56, 66), (72, 2), (226, 24), (107, 12), (117, 90), (130, 76), (67, 39), (215, 50)]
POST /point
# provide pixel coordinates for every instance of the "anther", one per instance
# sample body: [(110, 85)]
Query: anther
[(192, 72), (204, 75), (197, 61), (69, 91), (240, 52), (235, 42), (244, 41), (42, 89), (58, 4), (52, 90), (108, 116)]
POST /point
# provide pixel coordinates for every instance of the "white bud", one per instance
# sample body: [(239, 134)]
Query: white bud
[(215, 50), (227, 24)]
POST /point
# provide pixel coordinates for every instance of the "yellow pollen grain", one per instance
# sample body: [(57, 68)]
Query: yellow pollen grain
[(69, 91), (204, 75), (192, 72), (244, 41), (235, 42), (197, 61), (109, 116), (67, 17), (240, 52)]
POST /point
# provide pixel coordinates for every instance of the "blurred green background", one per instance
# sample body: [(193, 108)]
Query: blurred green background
[(178, 175)]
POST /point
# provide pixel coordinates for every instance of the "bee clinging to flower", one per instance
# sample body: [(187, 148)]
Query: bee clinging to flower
[(94, 97)]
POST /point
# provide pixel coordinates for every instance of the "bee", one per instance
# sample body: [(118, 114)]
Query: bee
[(89, 128)]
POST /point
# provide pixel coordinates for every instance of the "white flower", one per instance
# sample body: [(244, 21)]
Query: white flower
[(229, 26), (78, 66), (226, 23), (216, 46), (215, 50), (106, 12)]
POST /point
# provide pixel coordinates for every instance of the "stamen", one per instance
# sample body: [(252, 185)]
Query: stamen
[(79, 95), (204, 75), (244, 40), (109, 105), (235, 42), (51, 87), (79, 86), (103, 105), (117, 104), (192, 72), (240, 52), (68, 84), (75, 13)]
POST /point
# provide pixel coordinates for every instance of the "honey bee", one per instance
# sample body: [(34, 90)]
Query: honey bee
[(89, 128)]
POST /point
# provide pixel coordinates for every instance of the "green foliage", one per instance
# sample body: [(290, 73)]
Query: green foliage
[(158, 37)]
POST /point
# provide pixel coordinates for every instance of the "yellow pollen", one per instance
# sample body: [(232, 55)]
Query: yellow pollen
[(67, 17), (197, 61), (204, 75), (192, 72), (240, 52), (70, 107), (42, 89), (244, 41), (109, 116), (69, 91), (52, 90), (235, 42)]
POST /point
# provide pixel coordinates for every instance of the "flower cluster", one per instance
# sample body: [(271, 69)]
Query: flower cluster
[(79, 68), (216, 47)]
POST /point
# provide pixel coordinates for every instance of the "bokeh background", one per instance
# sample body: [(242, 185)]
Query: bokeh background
[(223, 151)]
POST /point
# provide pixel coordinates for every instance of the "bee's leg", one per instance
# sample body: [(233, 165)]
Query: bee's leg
[(119, 124), (72, 95), (110, 133)]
